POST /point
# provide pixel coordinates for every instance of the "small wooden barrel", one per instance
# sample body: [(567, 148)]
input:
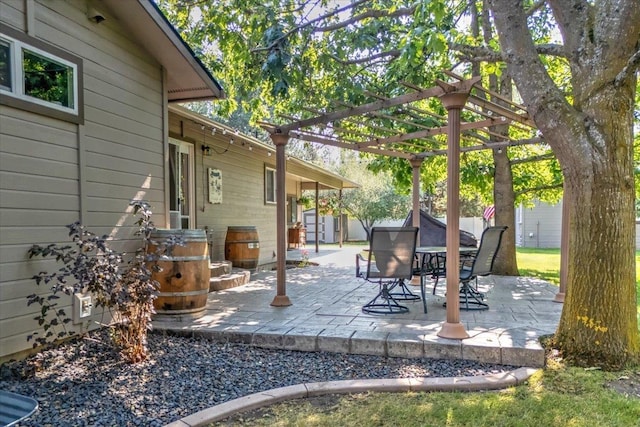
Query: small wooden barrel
[(242, 246), (184, 279)]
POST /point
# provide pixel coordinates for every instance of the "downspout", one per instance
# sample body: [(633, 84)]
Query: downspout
[(165, 146)]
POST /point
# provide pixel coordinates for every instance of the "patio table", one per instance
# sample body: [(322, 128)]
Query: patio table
[(431, 261)]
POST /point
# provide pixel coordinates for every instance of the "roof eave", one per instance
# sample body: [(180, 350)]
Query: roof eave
[(187, 77)]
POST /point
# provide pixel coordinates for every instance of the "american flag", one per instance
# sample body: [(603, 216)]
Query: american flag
[(488, 213)]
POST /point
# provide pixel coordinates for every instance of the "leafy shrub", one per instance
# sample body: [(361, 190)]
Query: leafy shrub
[(90, 265)]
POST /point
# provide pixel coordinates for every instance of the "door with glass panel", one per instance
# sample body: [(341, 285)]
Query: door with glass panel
[(181, 184)]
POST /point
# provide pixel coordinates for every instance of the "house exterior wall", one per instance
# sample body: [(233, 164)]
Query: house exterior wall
[(243, 186), (53, 172), (539, 226)]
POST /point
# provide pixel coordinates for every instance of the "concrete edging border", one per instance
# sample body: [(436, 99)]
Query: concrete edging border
[(394, 385)]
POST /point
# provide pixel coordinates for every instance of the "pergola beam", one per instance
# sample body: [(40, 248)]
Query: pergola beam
[(434, 131), (356, 146), (487, 146), (407, 98)]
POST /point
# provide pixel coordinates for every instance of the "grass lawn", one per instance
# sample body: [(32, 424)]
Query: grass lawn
[(545, 264), (553, 397), (558, 395)]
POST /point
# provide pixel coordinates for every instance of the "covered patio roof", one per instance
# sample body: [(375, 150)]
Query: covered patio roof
[(403, 126)]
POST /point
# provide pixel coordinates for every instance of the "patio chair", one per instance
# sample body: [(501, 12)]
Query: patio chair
[(482, 265), (15, 407), (388, 264)]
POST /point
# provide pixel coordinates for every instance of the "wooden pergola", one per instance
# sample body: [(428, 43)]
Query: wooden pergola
[(402, 127)]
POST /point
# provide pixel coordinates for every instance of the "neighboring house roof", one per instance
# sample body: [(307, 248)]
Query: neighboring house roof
[(307, 173), (187, 77)]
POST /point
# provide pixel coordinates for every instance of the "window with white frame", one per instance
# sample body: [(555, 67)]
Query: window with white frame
[(37, 77), (269, 185)]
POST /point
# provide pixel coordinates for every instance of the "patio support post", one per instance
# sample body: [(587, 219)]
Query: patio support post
[(415, 209), (281, 299), (340, 224), (415, 170), (564, 248), (453, 328), (317, 216)]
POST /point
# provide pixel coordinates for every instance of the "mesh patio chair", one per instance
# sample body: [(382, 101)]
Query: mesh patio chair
[(482, 265), (389, 264)]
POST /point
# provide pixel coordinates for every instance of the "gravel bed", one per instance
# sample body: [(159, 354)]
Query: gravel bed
[(84, 382)]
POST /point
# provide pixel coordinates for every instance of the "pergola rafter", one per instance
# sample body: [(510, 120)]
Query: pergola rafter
[(396, 127)]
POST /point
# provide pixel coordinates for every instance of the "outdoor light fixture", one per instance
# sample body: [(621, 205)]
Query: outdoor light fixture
[(95, 15), (206, 150)]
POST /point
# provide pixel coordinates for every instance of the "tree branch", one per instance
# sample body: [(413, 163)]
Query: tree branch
[(484, 53), (540, 188), (391, 53), (308, 24), (573, 19), (538, 158), (633, 64), (371, 13), (535, 7)]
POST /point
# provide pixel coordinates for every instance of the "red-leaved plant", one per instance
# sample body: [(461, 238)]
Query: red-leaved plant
[(126, 290)]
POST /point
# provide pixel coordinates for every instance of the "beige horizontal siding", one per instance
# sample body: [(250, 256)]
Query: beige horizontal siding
[(20, 289), (19, 181), (242, 188), (120, 145), (27, 217), (12, 13)]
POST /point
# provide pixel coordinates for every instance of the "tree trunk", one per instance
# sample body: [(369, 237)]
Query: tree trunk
[(504, 199), (599, 321), (593, 142), (503, 195)]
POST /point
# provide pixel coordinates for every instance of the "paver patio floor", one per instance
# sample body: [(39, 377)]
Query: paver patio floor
[(326, 315)]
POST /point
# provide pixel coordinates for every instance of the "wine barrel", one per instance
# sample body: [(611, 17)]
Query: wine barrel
[(184, 279), (242, 246)]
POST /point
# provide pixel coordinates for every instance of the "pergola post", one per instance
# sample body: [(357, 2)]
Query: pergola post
[(281, 299), (452, 328), (317, 217), (340, 224), (415, 172), (564, 248)]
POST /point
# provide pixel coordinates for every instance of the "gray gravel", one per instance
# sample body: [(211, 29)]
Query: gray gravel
[(84, 383)]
